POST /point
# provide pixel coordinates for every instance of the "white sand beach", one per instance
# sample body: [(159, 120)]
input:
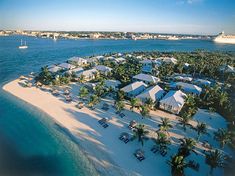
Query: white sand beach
[(110, 155)]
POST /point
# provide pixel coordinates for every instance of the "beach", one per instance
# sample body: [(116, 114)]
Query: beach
[(107, 153)]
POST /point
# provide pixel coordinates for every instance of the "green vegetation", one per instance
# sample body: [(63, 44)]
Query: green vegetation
[(140, 133)]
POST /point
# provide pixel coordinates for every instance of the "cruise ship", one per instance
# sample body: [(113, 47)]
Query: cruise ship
[(222, 38)]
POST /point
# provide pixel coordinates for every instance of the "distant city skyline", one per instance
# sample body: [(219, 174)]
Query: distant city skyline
[(160, 16)]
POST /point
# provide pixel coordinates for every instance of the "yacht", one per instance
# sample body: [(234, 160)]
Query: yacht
[(23, 46)]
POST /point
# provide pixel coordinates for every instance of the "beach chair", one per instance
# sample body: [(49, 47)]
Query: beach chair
[(155, 149), (105, 125)]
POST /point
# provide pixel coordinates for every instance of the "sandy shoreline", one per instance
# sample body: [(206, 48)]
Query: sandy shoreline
[(43, 101), (107, 153)]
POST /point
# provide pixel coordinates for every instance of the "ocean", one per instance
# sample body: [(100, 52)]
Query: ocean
[(31, 143)]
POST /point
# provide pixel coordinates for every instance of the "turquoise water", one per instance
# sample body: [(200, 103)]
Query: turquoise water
[(30, 143)]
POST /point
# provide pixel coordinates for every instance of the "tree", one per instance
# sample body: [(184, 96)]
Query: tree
[(223, 137), (177, 164), (135, 103), (214, 159), (83, 92), (44, 76), (94, 99), (119, 105), (149, 102), (201, 128), (120, 95), (184, 120), (165, 125), (81, 78), (162, 139), (144, 110), (186, 146), (140, 133)]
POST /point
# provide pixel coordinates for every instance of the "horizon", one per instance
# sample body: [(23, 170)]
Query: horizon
[(189, 17)]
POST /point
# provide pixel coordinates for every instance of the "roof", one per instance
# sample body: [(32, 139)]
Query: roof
[(67, 66), (112, 83), (55, 69), (174, 98), (188, 87), (168, 59), (88, 73), (154, 93), (76, 70), (227, 68), (103, 68), (202, 81), (184, 78), (146, 77), (77, 59), (133, 86)]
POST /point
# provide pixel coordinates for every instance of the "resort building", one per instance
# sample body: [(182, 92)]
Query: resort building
[(183, 78), (88, 74), (173, 101), (227, 69), (202, 82), (134, 89), (187, 88), (119, 60), (54, 69), (67, 66), (148, 79), (155, 93), (76, 71), (114, 84), (168, 60), (77, 61), (103, 69), (148, 65)]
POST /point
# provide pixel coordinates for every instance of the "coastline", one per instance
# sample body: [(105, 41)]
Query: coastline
[(68, 131), (101, 147)]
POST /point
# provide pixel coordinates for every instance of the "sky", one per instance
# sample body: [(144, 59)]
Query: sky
[(159, 16)]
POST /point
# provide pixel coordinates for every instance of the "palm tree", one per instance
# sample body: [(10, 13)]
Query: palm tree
[(223, 137), (83, 92), (177, 164), (162, 139), (186, 146), (201, 128), (149, 102), (82, 79), (94, 99), (184, 120), (144, 111), (215, 159), (223, 98), (190, 101), (135, 103), (119, 105), (44, 77), (140, 133), (165, 125)]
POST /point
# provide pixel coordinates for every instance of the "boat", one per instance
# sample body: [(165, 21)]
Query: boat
[(222, 38), (23, 46)]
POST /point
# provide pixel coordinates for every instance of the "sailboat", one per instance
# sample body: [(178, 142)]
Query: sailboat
[(23, 46)]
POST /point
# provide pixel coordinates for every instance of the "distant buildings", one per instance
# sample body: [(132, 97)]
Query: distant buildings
[(67, 66), (88, 74), (77, 61), (103, 69), (187, 88), (114, 84)]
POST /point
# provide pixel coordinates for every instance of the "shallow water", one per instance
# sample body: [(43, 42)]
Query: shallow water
[(30, 143)]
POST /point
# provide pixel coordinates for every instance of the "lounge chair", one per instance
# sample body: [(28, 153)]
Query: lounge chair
[(155, 149), (122, 115), (139, 154), (105, 125)]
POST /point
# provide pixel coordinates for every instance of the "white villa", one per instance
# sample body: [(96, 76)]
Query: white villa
[(54, 69), (168, 60), (114, 84), (148, 79), (88, 74), (147, 65), (227, 69), (134, 89), (67, 66), (183, 78), (103, 69), (202, 82), (77, 71), (173, 101), (186, 87), (77, 61), (155, 93)]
